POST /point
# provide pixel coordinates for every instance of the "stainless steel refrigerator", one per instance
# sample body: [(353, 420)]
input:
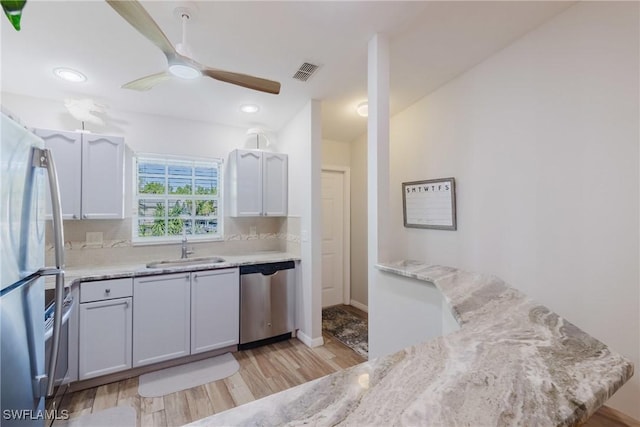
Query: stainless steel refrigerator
[(26, 168)]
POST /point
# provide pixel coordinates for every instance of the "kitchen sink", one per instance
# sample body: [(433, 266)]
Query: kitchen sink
[(185, 262)]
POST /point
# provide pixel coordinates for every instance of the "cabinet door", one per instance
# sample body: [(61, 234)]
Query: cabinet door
[(274, 184), (105, 337), (161, 318), (248, 183), (215, 309), (102, 177), (67, 153)]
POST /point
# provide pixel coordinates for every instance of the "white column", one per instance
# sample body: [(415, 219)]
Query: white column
[(378, 148), (377, 176), (309, 290), (314, 213)]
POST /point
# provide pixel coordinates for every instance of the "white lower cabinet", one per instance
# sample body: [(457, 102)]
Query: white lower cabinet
[(126, 323), (215, 309), (161, 318), (105, 328)]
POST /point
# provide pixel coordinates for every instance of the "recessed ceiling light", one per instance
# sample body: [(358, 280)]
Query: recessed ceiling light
[(70, 75), (184, 71), (249, 108), (363, 109)]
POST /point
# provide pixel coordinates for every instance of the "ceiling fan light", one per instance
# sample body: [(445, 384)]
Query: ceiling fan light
[(70, 75), (249, 108), (184, 71)]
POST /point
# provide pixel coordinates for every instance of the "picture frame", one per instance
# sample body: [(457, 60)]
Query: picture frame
[(430, 204)]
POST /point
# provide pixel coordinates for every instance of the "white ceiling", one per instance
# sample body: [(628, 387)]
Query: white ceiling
[(431, 43)]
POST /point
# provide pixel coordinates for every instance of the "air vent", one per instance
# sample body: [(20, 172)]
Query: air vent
[(305, 71)]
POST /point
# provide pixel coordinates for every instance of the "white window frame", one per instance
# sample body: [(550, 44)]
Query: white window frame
[(177, 160)]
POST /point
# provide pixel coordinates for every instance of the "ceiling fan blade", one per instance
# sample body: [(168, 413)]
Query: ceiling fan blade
[(243, 80), (146, 83), (133, 12)]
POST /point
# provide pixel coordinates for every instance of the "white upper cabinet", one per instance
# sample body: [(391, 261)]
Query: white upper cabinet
[(67, 153), (102, 177), (274, 184), (246, 183), (258, 183), (90, 171)]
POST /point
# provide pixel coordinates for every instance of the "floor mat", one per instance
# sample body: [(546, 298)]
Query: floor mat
[(121, 416), (170, 380), (347, 328)]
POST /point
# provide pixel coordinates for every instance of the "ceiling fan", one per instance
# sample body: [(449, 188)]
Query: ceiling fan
[(179, 61)]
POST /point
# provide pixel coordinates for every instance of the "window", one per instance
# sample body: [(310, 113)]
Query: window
[(175, 196)]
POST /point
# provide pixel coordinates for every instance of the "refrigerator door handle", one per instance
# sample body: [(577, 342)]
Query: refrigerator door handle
[(44, 159)]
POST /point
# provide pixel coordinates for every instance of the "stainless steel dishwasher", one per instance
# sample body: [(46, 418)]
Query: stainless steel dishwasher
[(266, 303)]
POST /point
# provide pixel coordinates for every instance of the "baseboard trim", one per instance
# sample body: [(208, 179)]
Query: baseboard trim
[(308, 341), (359, 306)]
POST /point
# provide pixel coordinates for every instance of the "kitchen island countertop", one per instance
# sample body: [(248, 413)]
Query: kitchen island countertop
[(513, 362)]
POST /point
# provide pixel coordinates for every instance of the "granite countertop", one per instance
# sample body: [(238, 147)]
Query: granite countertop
[(513, 362), (138, 269)]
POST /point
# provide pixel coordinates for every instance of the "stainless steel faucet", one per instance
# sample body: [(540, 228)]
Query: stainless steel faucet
[(185, 251)]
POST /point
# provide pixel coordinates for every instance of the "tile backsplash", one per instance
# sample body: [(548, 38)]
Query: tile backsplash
[(108, 242)]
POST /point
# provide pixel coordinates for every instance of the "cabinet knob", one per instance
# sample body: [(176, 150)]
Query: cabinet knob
[(74, 216), (269, 324), (84, 216), (195, 276), (107, 291)]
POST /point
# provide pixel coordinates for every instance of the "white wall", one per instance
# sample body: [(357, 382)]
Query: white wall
[(542, 139), (142, 132), (419, 301), (336, 153), (359, 221), (301, 139), (151, 134)]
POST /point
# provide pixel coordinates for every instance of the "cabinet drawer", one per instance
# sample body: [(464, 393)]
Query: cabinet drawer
[(106, 289)]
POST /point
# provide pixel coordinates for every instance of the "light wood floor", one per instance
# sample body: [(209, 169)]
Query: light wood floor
[(608, 417), (263, 371)]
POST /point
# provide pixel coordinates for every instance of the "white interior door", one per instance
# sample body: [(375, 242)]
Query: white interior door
[(333, 221)]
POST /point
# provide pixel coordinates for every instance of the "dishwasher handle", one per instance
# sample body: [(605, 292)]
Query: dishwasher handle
[(267, 269)]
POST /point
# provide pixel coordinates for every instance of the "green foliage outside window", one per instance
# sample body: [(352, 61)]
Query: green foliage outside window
[(152, 188), (192, 212)]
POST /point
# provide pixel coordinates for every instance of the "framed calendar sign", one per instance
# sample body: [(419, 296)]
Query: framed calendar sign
[(430, 204)]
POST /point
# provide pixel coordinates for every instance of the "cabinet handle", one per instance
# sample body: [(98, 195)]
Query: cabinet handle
[(107, 291), (161, 278), (84, 216), (74, 216), (195, 276)]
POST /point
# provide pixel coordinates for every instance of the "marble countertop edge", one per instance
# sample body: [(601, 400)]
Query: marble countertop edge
[(139, 268), (512, 362)]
